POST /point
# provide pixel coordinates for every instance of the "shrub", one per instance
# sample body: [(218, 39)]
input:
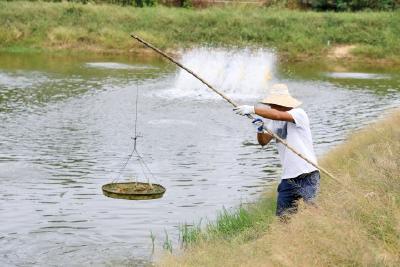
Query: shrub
[(352, 5)]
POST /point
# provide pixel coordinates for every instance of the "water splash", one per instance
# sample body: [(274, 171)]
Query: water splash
[(244, 73)]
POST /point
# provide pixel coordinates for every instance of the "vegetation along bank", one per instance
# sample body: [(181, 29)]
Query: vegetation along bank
[(295, 34), (354, 225)]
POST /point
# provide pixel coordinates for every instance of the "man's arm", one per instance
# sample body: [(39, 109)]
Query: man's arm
[(262, 137), (265, 112), (273, 114)]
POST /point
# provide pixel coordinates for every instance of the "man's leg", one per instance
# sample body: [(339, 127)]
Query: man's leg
[(310, 187), (288, 194)]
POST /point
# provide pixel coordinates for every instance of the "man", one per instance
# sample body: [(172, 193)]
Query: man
[(300, 180)]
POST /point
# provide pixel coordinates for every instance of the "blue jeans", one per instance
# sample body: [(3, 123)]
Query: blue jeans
[(304, 186)]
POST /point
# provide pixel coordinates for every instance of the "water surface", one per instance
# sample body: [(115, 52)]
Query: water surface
[(67, 124)]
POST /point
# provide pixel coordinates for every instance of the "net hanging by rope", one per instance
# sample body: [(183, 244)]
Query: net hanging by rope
[(134, 190)]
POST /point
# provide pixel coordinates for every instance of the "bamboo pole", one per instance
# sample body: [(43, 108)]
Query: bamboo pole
[(225, 97)]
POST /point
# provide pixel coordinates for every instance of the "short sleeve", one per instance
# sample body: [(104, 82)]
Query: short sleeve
[(300, 117)]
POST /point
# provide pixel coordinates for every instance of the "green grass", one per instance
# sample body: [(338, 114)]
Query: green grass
[(106, 28), (247, 221)]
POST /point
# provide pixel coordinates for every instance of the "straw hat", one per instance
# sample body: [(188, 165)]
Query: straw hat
[(279, 95)]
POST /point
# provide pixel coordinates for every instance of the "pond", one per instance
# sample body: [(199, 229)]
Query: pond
[(67, 123)]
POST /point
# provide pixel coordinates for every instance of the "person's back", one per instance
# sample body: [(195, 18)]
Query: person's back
[(299, 178), (298, 135)]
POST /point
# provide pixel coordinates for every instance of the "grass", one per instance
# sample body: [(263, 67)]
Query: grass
[(105, 28), (354, 225), (247, 221)]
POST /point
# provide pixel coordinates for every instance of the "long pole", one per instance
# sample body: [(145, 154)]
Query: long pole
[(234, 105)]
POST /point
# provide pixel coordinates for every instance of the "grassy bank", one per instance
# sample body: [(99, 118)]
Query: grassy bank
[(354, 225), (105, 28)]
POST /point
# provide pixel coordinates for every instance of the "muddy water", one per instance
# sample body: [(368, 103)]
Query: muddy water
[(67, 125)]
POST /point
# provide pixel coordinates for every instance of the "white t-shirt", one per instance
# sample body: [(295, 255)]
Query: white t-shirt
[(298, 136)]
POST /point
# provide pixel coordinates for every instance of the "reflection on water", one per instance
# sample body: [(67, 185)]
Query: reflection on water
[(357, 75), (116, 66), (66, 129)]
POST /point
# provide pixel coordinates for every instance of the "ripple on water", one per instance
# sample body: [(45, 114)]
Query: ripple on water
[(22, 79)]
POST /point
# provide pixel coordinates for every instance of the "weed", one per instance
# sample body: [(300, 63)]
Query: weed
[(167, 245), (153, 239)]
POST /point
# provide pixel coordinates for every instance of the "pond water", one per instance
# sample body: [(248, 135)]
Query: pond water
[(67, 124)]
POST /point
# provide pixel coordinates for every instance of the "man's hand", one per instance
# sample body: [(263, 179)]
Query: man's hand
[(259, 125), (244, 110)]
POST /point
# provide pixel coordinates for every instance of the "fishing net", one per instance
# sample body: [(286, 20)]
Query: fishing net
[(134, 190)]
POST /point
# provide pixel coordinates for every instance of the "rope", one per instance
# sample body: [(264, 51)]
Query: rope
[(230, 101), (140, 159), (135, 136), (124, 166)]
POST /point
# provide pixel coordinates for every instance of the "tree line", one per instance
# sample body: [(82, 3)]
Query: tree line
[(351, 5), (319, 5)]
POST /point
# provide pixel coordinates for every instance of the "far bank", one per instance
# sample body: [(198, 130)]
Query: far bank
[(369, 37)]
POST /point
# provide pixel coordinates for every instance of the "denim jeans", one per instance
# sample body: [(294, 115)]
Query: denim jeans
[(304, 186)]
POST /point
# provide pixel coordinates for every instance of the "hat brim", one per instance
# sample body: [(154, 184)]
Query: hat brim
[(282, 100)]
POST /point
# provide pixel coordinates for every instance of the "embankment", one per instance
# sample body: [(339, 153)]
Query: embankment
[(357, 224), (296, 35)]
